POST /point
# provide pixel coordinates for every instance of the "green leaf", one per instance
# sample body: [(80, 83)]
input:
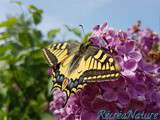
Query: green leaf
[(36, 13), (32, 8), (76, 31), (50, 86), (9, 22), (52, 33), (23, 70), (47, 116), (3, 114), (19, 3), (37, 34), (4, 35), (5, 48), (86, 38), (68, 28), (25, 39), (6, 57), (37, 17)]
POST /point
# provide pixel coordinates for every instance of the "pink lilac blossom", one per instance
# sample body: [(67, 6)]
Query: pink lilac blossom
[(137, 89)]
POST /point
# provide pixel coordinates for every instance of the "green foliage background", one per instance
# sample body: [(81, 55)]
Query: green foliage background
[(24, 85), (23, 72)]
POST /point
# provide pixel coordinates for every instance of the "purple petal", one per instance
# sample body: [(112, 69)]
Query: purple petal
[(103, 43), (132, 91), (139, 78), (146, 66), (117, 85), (96, 27), (123, 98), (135, 55), (88, 115), (137, 105), (141, 89), (104, 26), (129, 46), (122, 35), (94, 40), (69, 117), (152, 96), (58, 94), (121, 50), (128, 73), (99, 103), (110, 95), (130, 65), (111, 32), (72, 107), (148, 42), (119, 60), (157, 70), (50, 71)]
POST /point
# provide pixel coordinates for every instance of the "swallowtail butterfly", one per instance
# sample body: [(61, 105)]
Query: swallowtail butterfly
[(74, 65)]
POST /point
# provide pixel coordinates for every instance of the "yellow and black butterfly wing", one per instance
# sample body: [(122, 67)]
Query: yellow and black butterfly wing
[(58, 52), (61, 53), (97, 65), (78, 66)]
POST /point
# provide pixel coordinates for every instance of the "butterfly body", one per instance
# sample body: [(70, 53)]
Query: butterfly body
[(77, 64)]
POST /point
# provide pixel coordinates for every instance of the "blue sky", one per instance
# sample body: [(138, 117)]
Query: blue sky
[(119, 13)]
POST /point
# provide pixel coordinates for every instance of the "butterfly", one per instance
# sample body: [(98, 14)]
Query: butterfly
[(75, 64)]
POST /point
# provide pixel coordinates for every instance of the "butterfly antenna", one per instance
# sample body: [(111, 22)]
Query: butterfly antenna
[(82, 28)]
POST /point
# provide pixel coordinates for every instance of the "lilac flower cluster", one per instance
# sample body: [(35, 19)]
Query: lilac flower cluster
[(137, 52)]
